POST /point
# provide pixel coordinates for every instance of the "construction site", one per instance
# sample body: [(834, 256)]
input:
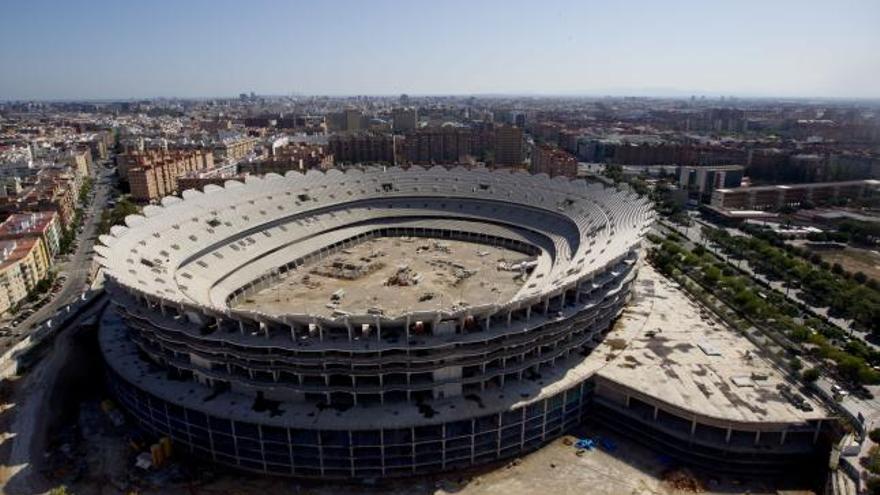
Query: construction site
[(392, 275)]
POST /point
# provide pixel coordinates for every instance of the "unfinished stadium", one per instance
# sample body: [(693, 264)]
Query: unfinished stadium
[(364, 324)]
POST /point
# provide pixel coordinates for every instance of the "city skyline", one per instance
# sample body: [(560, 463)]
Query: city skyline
[(101, 50)]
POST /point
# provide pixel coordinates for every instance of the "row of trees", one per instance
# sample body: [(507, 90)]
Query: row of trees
[(822, 285)]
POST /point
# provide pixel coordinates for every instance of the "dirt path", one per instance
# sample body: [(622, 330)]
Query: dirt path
[(25, 420)]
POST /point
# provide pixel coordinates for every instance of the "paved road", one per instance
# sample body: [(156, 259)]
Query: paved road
[(78, 267)]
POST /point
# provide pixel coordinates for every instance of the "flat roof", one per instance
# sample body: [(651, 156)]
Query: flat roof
[(694, 362), (806, 185)]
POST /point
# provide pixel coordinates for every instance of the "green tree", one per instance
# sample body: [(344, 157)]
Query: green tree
[(810, 375), (712, 274)]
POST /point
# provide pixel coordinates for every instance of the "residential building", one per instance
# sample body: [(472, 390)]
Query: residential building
[(293, 156), (508, 145), (362, 147), (81, 160), (43, 225), (405, 120), (156, 176), (353, 119), (234, 150), (553, 161), (445, 144), (24, 263)]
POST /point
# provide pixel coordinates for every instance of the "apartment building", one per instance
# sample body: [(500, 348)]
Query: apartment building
[(43, 225), (363, 147), (438, 145), (553, 161), (404, 120), (156, 174), (293, 156), (23, 263), (80, 159), (234, 150), (45, 189), (508, 145)]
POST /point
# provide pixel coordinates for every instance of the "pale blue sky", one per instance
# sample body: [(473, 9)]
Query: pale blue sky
[(133, 48)]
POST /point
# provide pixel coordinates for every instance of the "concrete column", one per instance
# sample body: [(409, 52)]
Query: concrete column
[(348, 328), (693, 426), (757, 437), (529, 313), (626, 401), (656, 412), (241, 326), (407, 327), (509, 318), (782, 438), (488, 323), (816, 433), (546, 306), (293, 332), (727, 436), (378, 329)]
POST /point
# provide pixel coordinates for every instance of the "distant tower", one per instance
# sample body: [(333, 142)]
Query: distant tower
[(404, 99)]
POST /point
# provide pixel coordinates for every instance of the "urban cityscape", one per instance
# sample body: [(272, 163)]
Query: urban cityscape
[(379, 264)]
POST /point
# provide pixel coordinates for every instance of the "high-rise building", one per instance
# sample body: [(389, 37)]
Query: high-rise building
[(701, 181), (508, 145), (438, 145), (353, 119), (405, 120), (362, 147)]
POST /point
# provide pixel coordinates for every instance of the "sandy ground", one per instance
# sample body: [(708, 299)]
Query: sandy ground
[(555, 469), (853, 260), (437, 263)]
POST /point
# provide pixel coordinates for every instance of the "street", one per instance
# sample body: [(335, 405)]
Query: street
[(76, 269)]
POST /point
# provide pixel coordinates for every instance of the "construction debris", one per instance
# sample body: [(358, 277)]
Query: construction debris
[(343, 269), (683, 480), (403, 277)]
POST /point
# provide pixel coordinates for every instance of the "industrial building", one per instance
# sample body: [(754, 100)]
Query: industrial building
[(794, 195)]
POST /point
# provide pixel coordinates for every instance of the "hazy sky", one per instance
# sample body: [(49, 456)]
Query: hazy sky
[(134, 48)]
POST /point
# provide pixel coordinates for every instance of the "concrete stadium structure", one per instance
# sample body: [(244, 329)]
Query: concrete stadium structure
[(374, 393)]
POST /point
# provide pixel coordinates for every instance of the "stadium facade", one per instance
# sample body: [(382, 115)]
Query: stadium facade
[(374, 392)]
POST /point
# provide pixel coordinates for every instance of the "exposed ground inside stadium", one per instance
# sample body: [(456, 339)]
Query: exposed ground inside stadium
[(393, 275)]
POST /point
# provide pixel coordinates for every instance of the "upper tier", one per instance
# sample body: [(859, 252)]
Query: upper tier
[(201, 249)]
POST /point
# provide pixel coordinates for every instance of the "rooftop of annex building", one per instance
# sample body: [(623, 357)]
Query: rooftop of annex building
[(394, 275), (674, 351)]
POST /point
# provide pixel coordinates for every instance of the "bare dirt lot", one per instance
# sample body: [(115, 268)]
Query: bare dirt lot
[(853, 260), (558, 468), (396, 275)]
